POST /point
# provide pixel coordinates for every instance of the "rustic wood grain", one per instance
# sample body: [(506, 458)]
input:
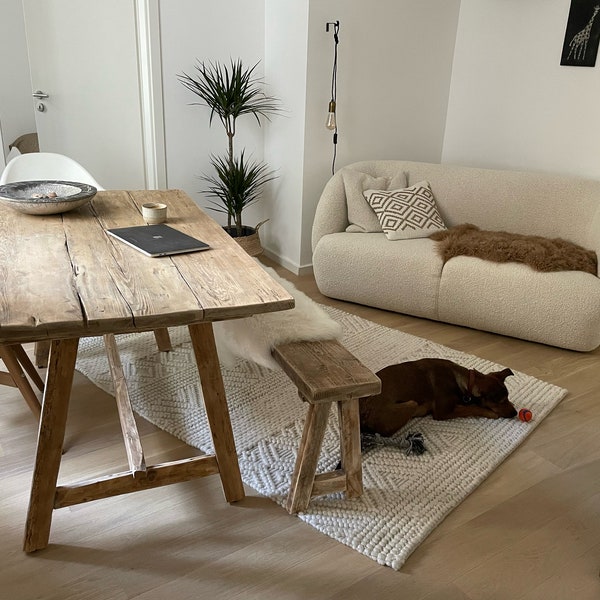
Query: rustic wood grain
[(37, 297), (350, 446), (325, 372), (63, 276), (16, 361), (131, 436), (122, 483), (27, 365), (163, 339), (307, 458), (63, 354), (207, 361), (324, 369)]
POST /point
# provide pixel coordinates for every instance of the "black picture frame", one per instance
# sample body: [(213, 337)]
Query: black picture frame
[(580, 46)]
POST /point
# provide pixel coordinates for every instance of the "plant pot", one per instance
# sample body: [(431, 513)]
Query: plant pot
[(249, 240)]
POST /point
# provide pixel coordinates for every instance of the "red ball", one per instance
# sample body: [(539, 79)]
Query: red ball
[(525, 415)]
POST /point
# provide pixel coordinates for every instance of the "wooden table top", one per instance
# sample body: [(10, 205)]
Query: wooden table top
[(62, 276)]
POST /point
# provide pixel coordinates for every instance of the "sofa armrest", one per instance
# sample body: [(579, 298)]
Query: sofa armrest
[(331, 215)]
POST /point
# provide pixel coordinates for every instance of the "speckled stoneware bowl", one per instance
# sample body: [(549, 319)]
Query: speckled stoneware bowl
[(48, 197)]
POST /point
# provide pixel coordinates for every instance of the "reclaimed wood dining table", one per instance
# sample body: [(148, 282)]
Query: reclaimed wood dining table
[(62, 277)]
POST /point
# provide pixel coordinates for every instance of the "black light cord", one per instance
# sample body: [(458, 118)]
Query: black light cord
[(336, 39)]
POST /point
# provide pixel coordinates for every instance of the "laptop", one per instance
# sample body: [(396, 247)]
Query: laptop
[(157, 240)]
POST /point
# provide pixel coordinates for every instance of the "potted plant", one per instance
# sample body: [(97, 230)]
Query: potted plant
[(230, 91)]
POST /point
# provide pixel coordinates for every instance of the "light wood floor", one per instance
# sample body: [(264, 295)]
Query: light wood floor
[(530, 531)]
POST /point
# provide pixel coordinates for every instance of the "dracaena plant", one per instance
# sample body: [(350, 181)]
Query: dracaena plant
[(230, 91)]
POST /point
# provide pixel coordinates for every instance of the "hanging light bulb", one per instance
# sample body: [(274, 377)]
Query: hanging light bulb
[(331, 124)]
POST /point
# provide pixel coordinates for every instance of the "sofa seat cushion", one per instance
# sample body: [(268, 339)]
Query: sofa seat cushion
[(367, 268), (562, 308)]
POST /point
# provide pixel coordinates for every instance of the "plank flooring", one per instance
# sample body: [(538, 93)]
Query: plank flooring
[(531, 531)]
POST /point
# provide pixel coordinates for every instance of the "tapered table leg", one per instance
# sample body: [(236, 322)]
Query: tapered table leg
[(63, 354), (217, 411)]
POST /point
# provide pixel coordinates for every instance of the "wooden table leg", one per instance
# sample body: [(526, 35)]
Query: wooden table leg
[(217, 411), (41, 351), (63, 354), (163, 339), (10, 357)]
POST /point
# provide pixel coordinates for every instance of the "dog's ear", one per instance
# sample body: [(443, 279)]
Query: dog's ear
[(502, 375)]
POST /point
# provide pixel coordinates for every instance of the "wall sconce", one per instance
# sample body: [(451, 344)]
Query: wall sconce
[(331, 122)]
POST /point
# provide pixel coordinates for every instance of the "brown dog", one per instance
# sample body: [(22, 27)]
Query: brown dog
[(433, 386)]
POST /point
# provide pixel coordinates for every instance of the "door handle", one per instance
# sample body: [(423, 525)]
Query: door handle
[(39, 94)]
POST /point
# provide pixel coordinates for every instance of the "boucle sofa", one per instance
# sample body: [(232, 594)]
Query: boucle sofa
[(356, 263)]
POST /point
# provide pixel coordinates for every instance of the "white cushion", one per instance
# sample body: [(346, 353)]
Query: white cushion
[(361, 217), (406, 213)]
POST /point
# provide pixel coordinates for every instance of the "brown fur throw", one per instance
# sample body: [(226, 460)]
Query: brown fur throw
[(540, 253)]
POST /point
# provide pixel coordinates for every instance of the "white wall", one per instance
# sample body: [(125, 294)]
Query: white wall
[(203, 30), (286, 25), (16, 103), (511, 103)]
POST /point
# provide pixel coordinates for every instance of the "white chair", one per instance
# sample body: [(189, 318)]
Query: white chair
[(46, 165)]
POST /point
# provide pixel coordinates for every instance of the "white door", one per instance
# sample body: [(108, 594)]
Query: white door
[(83, 56)]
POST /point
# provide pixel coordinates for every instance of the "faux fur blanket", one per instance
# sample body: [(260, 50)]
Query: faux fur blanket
[(254, 337), (540, 253)]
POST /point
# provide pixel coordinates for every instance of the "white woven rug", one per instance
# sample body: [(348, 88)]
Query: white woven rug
[(405, 496)]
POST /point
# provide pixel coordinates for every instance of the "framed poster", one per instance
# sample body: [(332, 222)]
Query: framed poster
[(582, 35)]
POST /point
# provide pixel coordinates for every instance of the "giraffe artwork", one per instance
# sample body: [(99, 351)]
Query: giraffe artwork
[(580, 47)]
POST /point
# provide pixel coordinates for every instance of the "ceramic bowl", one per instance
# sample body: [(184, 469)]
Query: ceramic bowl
[(48, 197)]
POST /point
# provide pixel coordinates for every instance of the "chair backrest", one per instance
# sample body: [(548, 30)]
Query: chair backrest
[(46, 165)]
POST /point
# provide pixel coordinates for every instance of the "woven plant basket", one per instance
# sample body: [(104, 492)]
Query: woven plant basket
[(250, 240)]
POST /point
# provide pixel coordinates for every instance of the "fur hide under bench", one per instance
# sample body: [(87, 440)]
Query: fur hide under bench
[(254, 337)]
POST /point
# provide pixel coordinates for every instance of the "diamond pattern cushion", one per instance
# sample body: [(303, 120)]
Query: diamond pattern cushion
[(406, 213)]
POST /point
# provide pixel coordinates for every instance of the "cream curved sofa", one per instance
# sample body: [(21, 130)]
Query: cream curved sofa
[(408, 276)]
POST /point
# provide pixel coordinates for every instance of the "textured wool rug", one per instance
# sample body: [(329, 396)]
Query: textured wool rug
[(405, 497)]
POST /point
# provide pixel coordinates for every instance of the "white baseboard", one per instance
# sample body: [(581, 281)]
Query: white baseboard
[(289, 265)]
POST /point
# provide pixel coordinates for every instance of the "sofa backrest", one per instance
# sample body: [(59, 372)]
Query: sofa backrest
[(515, 201)]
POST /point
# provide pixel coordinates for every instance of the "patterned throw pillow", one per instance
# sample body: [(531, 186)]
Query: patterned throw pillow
[(406, 213)]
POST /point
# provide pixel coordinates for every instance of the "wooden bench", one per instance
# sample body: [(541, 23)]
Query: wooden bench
[(325, 372)]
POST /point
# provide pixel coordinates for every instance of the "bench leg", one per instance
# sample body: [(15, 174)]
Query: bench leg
[(350, 446), (308, 457)]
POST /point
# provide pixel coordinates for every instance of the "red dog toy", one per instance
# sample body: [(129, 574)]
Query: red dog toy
[(525, 415)]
